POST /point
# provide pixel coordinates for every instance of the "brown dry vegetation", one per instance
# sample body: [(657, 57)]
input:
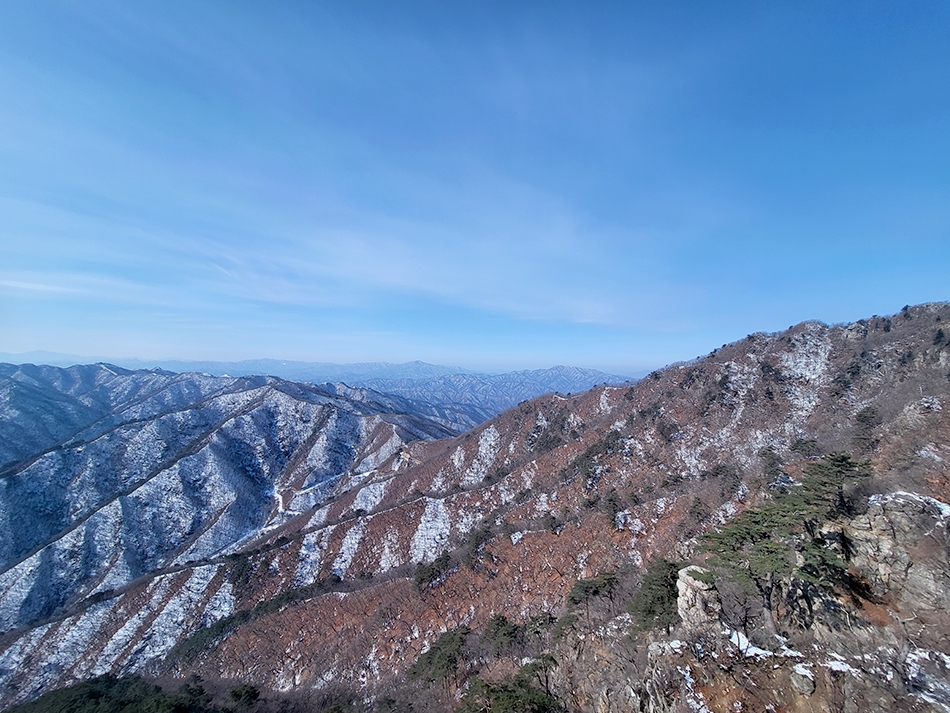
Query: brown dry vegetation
[(738, 407)]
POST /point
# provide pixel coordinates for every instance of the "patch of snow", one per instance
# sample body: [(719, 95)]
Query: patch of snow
[(694, 699), (73, 639), (805, 367), (684, 671), (15, 586), (311, 554), (172, 621), (466, 518), (941, 507), (307, 498), (11, 661), (319, 517), (372, 663), (219, 606), (528, 474), (804, 669), (930, 403), (122, 639), (925, 677), (542, 506), (458, 459), (487, 450), (726, 512), (624, 520), (378, 455), (838, 664), (748, 649), (390, 557), (930, 451), (581, 560), (432, 533), (116, 576), (348, 548), (918, 655), (689, 456), (369, 496), (439, 482)]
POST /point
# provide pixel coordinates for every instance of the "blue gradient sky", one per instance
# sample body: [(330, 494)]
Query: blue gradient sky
[(493, 185)]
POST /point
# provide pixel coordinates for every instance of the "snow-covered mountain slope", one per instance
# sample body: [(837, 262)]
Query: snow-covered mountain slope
[(148, 470)]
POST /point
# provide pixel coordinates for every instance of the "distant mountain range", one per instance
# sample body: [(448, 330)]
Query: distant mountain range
[(313, 372), (495, 393), (463, 397)]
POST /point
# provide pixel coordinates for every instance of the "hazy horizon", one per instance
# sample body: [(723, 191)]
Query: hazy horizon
[(41, 356), (493, 186)]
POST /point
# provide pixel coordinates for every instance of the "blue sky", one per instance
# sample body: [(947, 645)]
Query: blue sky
[(492, 185)]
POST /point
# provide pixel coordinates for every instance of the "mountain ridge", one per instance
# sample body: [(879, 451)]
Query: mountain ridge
[(292, 370), (464, 398), (526, 515)]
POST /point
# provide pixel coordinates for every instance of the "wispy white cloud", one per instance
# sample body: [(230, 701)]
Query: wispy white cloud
[(38, 287), (463, 179)]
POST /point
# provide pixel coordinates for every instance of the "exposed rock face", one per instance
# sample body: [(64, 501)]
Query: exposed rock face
[(553, 491), (901, 547), (591, 676), (802, 679), (697, 602)]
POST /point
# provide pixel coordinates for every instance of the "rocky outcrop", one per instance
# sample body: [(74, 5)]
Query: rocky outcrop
[(697, 601), (878, 657), (900, 546)]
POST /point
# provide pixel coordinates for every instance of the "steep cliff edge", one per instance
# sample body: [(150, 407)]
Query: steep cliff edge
[(552, 514)]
